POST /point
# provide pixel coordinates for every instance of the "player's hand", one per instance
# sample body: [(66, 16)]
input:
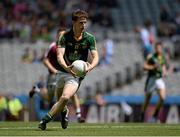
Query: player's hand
[(89, 67), (69, 70), (156, 66), (55, 72)]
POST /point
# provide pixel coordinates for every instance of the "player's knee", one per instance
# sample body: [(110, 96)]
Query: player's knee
[(162, 98), (65, 98), (162, 95)]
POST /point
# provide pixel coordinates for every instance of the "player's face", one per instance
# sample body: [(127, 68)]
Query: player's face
[(159, 49), (80, 24)]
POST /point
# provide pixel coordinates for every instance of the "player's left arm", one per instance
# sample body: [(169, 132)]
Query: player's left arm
[(47, 63), (94, 55), (164, 68), (95, 59)]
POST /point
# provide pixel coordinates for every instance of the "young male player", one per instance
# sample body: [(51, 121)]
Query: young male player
[(51, 63), (156, 67), (74, 44)]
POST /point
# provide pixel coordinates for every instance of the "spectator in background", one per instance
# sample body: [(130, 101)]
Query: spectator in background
[(25, 32), (152, 31), (40, 87), (3, 29), (164, 14), (3, 108), (177, 22), (146, 39), (43, 52), (44, 34), (107, 51), (99, 98), (14, 108), (105, 19), (28, 55), (36, 58), (166, 26), (28, 19)]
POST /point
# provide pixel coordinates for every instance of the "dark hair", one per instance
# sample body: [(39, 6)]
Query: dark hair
[(79, 14), (158, 43)]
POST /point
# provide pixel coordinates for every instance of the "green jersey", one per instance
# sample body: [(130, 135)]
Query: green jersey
[(159, 61), (76, 50)]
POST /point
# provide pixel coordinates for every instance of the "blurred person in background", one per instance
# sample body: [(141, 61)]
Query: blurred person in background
[(99, 101), (107, 51), (15, 108), (36, 58), (40, 87), (47, 91), (167, 26), (74, 44), (146, 37), (28, 55), (3, 107), (155, 64)]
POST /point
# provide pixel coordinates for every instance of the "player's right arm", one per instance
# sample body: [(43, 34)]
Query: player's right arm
[(148, 66), (60, 54)]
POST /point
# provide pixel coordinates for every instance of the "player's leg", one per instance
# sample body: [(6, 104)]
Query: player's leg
[(44, 93), (76, 102), (68, 91), (70, 88), (60, 106), (41, 91), (162, 94), (51, 87), (145, 104), (149, 88), (48, 117)]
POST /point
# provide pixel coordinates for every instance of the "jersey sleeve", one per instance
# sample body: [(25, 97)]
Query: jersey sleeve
[(61, 42), (92, 42), (48, 51)]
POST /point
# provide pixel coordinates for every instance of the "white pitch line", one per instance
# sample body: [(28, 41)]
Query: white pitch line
[(20, 128), (91, 127)]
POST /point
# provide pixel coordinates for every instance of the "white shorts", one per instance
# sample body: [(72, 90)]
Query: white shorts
[(160, 84), (63, 78), (153, 84)]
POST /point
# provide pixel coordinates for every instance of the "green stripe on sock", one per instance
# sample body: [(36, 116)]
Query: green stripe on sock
[(47, 118)]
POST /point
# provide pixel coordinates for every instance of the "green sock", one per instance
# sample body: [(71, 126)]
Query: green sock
[(47, 118)]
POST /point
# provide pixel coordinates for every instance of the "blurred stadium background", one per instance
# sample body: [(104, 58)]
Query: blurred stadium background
[(27, 27)]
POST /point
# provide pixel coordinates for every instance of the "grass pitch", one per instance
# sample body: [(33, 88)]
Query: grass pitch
[(75, 129)]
